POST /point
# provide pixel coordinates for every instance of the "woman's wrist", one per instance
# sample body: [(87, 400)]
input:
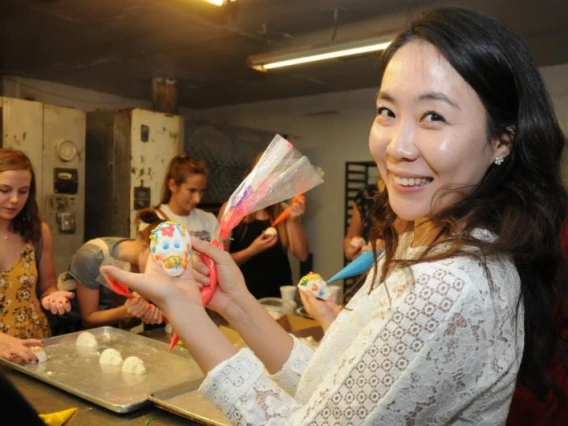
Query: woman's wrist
[(48, 291), (238, 310)]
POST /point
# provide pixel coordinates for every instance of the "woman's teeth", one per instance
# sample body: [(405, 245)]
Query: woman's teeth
[(411, 181)]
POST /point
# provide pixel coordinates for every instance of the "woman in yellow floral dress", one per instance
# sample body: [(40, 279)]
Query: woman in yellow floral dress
[(23, 235)]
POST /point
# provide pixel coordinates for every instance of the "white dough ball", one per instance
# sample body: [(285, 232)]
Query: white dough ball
[(86, 340), (40, 353), (270, 231), (133, 365), (110, 356)]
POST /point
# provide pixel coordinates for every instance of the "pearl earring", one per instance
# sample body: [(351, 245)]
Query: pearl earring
[(499, 160)]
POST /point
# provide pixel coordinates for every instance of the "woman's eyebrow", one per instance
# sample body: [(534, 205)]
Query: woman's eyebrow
[(437, 96)]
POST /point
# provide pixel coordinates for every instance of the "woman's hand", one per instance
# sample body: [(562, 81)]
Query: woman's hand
[(200, 269), (57, 302), (323, 311), (262, 243), (298, 207), (142, 309), (231, 283), (171, 294), (12, 348)]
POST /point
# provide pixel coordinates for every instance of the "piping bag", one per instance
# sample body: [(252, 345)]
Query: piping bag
[(286, 213), (281, 173), (358, 266)]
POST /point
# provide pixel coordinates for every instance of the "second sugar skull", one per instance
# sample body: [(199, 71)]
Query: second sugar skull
[(170, 244)]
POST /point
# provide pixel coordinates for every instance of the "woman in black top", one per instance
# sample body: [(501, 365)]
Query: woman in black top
[(263, 257)]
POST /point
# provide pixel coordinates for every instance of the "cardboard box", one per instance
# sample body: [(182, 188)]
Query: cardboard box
[(293, 324)]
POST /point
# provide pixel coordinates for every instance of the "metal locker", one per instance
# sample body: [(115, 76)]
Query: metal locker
[(128, 152)]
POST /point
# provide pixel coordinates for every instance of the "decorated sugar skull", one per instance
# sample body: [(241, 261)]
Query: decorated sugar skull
[(170, 244), (315, 284)]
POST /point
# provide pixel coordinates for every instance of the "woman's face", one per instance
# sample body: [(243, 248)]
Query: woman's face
[(188, 195), (14, 192), (429, 132)]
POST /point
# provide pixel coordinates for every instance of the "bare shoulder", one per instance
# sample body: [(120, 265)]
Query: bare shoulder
[(45, 232)]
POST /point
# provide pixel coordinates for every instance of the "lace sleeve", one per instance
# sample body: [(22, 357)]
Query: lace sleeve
[(289, 376), (445, 351)]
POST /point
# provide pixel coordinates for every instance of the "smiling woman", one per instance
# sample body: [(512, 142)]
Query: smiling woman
[(429, 138), (24, 235), (460, 304)]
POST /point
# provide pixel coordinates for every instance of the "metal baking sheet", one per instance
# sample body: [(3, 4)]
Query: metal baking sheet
[(186, 401), (77, 370)]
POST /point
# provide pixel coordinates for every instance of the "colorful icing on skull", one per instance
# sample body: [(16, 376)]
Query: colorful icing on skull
[(170, 244), (315, 284)]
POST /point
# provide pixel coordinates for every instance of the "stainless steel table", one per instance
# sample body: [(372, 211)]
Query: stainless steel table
[(47, 399)]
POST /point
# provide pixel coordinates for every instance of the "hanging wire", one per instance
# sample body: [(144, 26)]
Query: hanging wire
[(335, 23)]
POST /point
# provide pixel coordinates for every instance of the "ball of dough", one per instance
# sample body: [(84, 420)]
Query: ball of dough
[(315, 284), (39, 352), (270, 231), (110, 356), (86, 340), (133, 365)]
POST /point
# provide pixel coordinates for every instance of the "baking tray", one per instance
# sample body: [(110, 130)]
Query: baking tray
[(77, 370), (185, 400)]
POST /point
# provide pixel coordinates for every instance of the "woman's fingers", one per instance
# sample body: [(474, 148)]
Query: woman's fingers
[(32, 342), (137, 282), (218, 255)]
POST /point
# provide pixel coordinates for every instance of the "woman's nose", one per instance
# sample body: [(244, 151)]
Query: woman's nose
[(402, 142), (14, 197)]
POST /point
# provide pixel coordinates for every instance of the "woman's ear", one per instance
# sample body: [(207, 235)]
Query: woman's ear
[(503, 144), (172, 185)]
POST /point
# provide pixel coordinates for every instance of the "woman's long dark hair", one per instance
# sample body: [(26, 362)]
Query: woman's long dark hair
[(522, 201), (28, 222)]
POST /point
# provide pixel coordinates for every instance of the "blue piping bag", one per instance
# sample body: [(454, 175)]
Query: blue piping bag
[(358, 266)]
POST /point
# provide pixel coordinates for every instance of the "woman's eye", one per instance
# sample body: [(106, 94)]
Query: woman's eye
[(384, 112), (433, 116), (176, 246), (166, 246)]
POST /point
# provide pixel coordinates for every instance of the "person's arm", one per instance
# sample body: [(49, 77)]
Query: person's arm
[(88, 303), (430, 354), (12, 348), (323, 311), (46, 267), (52, 299), (297, 238), (261, 243), (355, 229), (181, 303)]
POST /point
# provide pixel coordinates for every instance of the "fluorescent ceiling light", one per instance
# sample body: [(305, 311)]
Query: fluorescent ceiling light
[(217, 2), (270, 61)]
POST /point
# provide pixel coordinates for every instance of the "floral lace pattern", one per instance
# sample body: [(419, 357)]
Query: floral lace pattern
[(438, 344), (292, 370)]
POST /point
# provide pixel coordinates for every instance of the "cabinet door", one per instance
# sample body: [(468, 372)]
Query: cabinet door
[(64, 204), (155, 139)]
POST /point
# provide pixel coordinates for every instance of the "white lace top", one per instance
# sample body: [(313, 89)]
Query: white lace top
[(438, 345)]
